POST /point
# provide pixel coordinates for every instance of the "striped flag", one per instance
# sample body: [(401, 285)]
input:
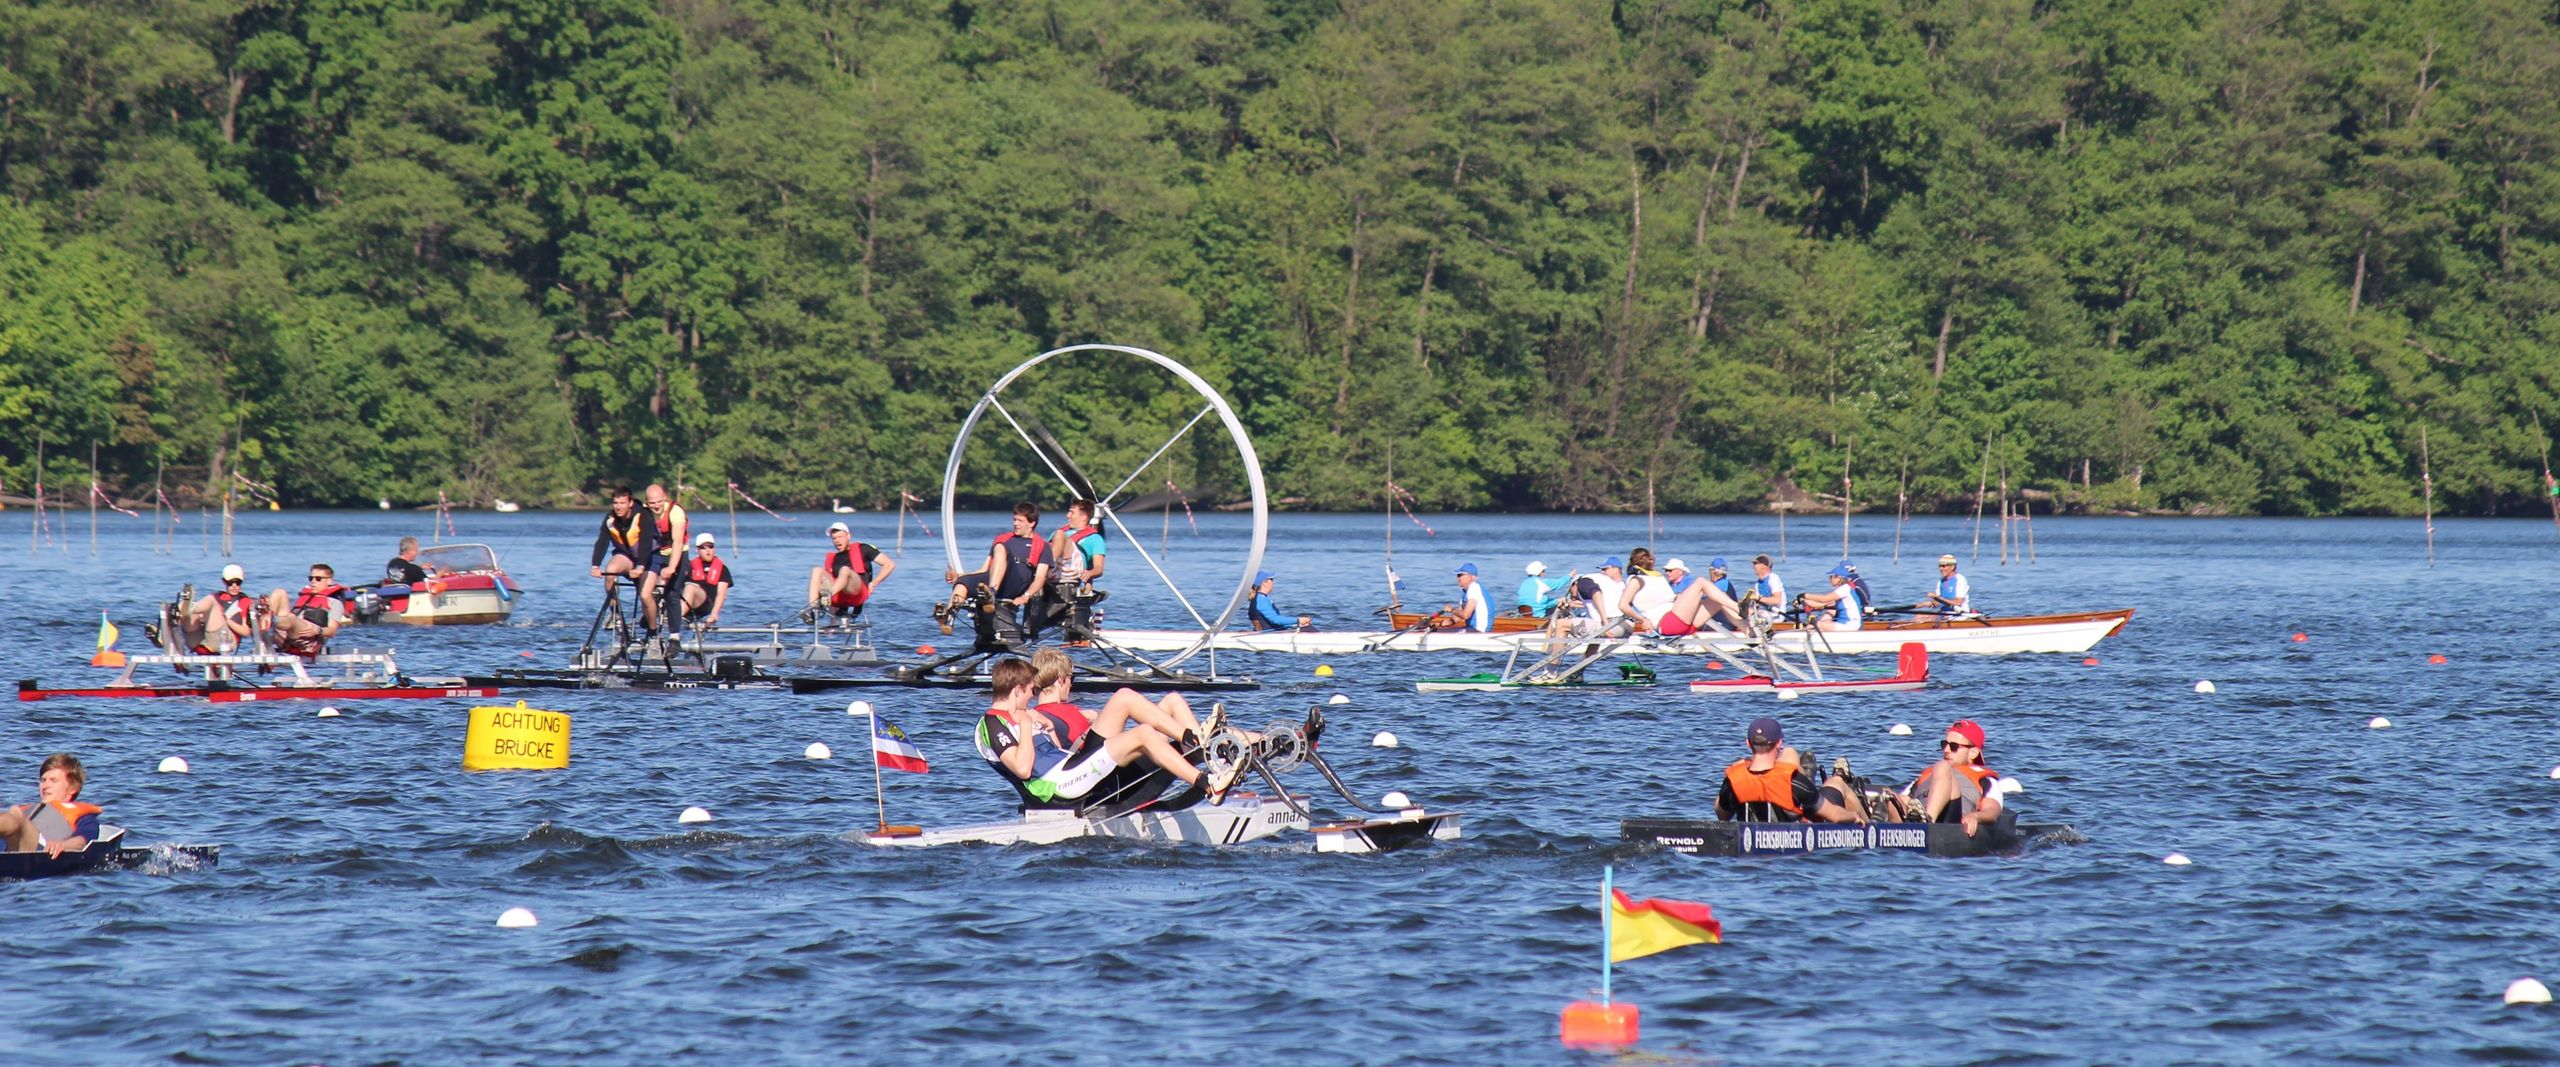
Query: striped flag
[(107, 655), (1639, 928), (890, 747)]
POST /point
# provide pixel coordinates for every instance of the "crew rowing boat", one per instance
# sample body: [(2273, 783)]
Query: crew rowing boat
[(1941, 635), (234, 693), (105, 853), (1707, 837), (1239, 818), (1783, 675)]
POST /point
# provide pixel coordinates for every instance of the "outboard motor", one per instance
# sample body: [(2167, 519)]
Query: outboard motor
[(366, 605), (733, 668)]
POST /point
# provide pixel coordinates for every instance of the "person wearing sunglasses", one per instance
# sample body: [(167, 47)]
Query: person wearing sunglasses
[(217, 622), (304, 622), (1956, 789)]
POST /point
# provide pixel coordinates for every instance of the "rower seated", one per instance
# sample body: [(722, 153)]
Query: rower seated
[(58, 822), (218, 622), (1056, 760), (1773, 784), (1016, 571), (303, 622), (1956, 789), (1078, 554), (1263, 614)]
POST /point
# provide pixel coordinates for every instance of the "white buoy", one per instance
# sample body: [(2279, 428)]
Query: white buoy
[(693, 815), (1339, 699), (327, 713), (517, 919), (2176, 859), (859, 707), (1397, 801), (1383, 740), (2527, 991), (182, 765), (818, 750), (1900, 729), (178, 765), (2379, 723), (2204, 687), (1786, 694)]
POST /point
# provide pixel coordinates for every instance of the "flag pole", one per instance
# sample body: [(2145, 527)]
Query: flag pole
[(879, 795), (1608, 891)]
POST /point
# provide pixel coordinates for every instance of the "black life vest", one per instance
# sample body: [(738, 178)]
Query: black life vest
[(1023, 556)]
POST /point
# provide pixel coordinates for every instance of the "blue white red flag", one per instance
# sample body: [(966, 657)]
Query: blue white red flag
[(890, 747)]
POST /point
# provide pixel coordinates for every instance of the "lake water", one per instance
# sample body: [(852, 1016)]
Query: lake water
[(2356, 895)]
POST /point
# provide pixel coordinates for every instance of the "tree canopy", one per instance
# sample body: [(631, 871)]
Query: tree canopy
[(2232, 256)]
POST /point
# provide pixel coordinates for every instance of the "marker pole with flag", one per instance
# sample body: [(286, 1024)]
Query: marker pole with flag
[(891, 749), (1632, 929), (107, 635)]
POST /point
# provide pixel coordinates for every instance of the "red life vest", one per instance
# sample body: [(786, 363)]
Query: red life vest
[(234, 606), (1023, 556), (696, 573), (320, 600), (1775, 787), (1071, 720), (850, 558), (1979, 775)]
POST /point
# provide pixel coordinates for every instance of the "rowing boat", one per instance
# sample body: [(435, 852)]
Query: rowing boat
[(1239, 818), (106, 853), (1976, 635), (1706, 837), (237, 693)]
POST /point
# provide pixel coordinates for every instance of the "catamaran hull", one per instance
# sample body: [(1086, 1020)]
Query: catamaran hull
[(1706, 837), (1236, 820), (1764, 686), (1980, 637), (1412, 827)]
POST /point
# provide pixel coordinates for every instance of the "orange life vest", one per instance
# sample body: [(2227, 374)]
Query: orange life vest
[(1775, 787)]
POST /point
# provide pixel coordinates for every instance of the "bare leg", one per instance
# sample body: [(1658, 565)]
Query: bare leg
[(817, 583), (1851, 808), (1937, 790), (1144, 740), (1172, 717), (18, 831)]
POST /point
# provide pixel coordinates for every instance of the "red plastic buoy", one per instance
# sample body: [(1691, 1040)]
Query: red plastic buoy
[(2437, 658), (2089, 662), (1715, 665), (1589, 1025), (924, 650), (527, 655), (2300, 638)]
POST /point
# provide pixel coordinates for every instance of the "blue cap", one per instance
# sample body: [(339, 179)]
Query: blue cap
[(1843, 571), (1260, 577), (1716, 564), (1466, 568), (1852, 568), (1613, 561)]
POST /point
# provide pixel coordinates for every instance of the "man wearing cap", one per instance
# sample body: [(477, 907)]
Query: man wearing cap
[(1537, 596), (1472, 609), (1954, 595), (843, 582), (1838, 609), (707, 579), (1262, 614), (1609, 587), (1768, 591), (1679, 576), (231, 608), (1773, 785), (1958, 788)]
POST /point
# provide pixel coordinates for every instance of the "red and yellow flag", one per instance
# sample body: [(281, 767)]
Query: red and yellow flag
[(107, 655), (1639, 928)]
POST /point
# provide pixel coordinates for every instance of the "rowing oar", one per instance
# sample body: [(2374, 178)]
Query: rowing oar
[(1383, 642)]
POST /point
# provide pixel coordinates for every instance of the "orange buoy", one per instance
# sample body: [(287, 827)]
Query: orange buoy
[(2089, 662), (1715, 665), (924, 650), (2437, 658), (2300, 638), (528, 654), (1589, 1025)]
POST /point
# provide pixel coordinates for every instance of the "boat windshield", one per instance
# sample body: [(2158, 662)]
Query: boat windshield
[(459, 559)]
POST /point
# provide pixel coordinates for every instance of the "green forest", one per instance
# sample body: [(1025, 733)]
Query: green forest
[(2210, 256)]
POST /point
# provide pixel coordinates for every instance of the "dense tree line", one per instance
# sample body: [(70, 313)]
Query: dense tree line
[(2232, 255)]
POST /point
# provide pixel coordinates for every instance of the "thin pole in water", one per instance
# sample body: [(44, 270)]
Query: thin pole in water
[(2427, 481), (1845, 455), (879, 795), (741, 551), (2004, 511), (1608, 895), (35, 523), (1901, 504), (2550, 487), (93, 500), (1981, 485), (1782, 530), (1652, 528)]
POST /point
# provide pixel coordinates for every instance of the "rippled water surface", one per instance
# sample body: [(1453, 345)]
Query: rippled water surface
[(2357, 895)]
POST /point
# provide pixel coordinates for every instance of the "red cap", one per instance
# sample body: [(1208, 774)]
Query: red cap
[(1970, 730)]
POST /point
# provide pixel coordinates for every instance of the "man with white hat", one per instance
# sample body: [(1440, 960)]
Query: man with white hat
[(1954, 595), (232, 607), (1537, 597), (1676, 574), (707, 579), (843, 582)]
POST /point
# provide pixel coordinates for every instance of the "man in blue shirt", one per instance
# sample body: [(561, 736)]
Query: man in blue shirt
[(1472, 606), (1537, 596)]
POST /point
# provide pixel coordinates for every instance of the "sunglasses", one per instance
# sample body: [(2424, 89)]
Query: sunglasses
[(231, 581), (322, 577), (1953, 746)]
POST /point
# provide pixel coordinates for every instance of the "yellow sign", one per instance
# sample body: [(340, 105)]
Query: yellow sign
[(515, 738)]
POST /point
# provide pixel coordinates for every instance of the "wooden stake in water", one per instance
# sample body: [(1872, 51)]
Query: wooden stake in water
[(741, 552), (35, 523), (2004, 511), (1981, 486), (1901, 504), (2027, 518), (1783, 508), (2550, 486), (1652, 527), (1845, 453), (2427, 481), (93, 500)]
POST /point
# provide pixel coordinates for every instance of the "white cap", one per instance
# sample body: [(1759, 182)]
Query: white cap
[(233, 573), (838, 527), (702, 538), (1675, 565), (1536, 568)]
